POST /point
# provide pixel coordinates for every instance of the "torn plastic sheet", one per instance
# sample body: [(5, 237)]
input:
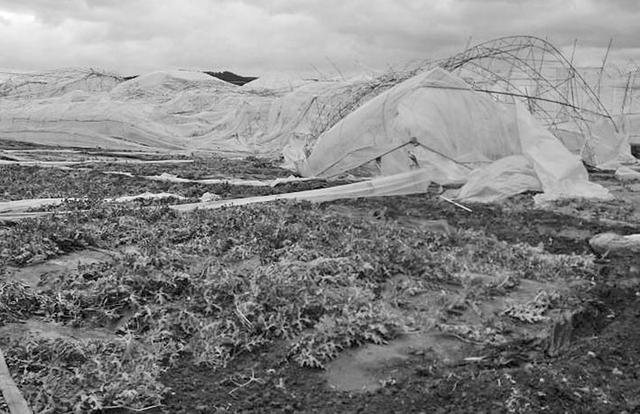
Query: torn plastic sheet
[(165, 177), (627, 174), (500, 180), (561, 173), (145, 196), (412, 182), (19, 206), (601, 146), (83, 162)]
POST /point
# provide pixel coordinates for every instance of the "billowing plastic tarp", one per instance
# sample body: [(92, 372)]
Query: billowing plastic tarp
[(437, 122)]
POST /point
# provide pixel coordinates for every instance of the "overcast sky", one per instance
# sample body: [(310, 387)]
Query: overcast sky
[(259, 36)]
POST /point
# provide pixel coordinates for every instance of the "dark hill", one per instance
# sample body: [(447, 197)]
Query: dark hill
[(231, 77), (225, 76)]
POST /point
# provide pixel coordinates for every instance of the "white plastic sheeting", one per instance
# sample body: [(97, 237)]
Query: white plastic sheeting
[(20, 206), (633, 121), (506, 177), (603, 147), (435, 121), (561, 173), (627, 174), (54, 83), (165, 177), (437, 109), (411, 182), (168, 111)]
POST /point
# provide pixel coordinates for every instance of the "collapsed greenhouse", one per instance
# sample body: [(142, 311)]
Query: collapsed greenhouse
[(457, 236), (459, 130)]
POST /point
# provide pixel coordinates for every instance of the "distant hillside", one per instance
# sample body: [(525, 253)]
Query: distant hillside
[(231, 77), (225, 76)]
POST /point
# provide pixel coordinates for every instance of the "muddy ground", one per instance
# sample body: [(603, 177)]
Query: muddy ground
[(589, 363), (598, 373), (596, 370)]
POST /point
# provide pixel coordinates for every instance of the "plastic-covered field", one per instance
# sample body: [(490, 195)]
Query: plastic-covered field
[(166, 110)]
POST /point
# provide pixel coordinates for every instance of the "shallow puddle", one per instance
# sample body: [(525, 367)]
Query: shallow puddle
[(369, 367), (35, 274)]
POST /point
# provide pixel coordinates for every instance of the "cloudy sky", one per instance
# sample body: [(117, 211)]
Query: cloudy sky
[(259, 36)]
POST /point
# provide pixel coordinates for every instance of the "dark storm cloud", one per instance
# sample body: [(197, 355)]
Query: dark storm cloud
[(259, 35)]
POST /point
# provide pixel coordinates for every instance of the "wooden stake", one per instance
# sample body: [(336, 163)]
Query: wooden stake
[(11, 393)]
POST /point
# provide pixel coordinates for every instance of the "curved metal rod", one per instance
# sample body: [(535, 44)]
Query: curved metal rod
[(502, 46)]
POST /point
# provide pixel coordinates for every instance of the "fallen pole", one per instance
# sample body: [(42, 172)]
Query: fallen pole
[(12, 395)]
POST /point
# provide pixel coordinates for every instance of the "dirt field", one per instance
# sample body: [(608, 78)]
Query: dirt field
[(596, 371), (399, 304)]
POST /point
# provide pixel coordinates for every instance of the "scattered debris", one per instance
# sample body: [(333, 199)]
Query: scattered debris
[(209, 197), (145, 196), (171, 178)]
